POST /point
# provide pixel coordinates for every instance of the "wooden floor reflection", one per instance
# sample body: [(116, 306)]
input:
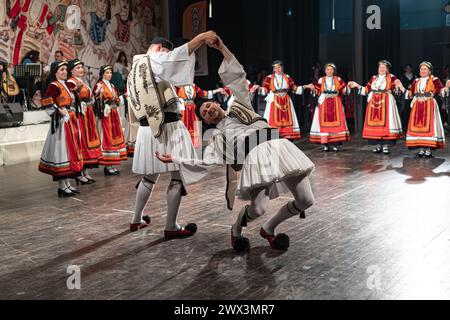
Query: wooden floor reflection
[(380, 229)]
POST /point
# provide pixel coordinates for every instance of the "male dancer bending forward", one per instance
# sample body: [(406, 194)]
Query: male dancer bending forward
[(177, 68), (266, 169)]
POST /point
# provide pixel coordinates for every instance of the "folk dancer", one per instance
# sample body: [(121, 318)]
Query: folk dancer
[(89, 135), (270, 167), (425, 129), (113, 141), (382, 126), (280, 110), (329, 127), (187, 94), (62, 156), (168, 67)]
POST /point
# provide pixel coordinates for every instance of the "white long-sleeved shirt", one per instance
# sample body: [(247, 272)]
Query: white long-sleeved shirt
[(176, 67), (228, 130)]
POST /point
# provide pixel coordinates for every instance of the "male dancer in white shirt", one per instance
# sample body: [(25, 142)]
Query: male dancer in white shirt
[(178, 68), (270, 165)]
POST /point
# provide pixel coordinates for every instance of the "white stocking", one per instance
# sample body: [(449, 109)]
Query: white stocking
[(142, 195)]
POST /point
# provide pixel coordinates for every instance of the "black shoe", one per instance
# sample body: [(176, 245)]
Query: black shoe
[(76, 191), (147, 219), (428, 155), (65, 193), (335, 149), (420, 154), (378, 149), (78, 181), (109, 173), (91, 180), (240, 244)]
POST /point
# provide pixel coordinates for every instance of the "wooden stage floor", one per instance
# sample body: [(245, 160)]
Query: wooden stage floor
[(380, 229)]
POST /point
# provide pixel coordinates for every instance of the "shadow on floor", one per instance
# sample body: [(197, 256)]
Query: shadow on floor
[(225, 281), (418, 170)]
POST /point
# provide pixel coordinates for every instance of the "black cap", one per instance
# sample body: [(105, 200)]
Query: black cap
[(330, 64), (56, 65), (386, 63), (277, 62), (164, 42), (428, 64), (73, 63), (198, 103), (103, 69)]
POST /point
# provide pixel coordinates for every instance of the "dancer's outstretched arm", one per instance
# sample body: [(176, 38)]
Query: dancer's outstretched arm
[(178, 66), (232, 74), (208, 38), (194, 170)]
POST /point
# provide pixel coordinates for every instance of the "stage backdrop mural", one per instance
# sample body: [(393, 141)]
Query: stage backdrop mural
[(94, 31)]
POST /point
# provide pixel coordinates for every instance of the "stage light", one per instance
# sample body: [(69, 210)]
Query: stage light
[(447, 11), (210, 9), (333, 20)]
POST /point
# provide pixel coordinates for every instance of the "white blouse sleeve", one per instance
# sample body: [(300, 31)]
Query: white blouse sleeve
[(176, 67), (193, 170), (234, 77)]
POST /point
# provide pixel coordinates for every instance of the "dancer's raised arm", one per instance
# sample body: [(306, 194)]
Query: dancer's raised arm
[(232, 74)]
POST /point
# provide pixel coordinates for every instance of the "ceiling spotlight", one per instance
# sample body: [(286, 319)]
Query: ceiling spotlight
[(210, 8)]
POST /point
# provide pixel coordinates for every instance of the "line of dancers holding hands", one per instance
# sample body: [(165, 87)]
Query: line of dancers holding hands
[(382, 125)]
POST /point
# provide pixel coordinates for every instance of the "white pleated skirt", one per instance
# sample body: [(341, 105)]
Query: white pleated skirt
[(55, 152), (174, 140), (269, 164)]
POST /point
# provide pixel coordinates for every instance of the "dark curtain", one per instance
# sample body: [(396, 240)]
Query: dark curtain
[(377, 44), (371, 46), (260, 31), (295, 40)]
